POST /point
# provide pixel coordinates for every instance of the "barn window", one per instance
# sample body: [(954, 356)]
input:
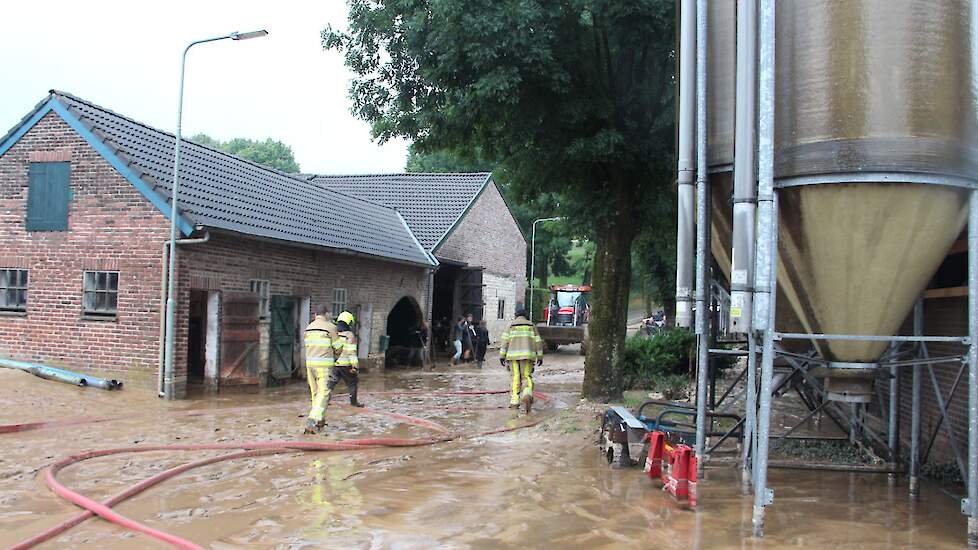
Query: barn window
[(501, 309), (13, 290), (48, 194), (260, 287), (101, 293), (339, 300)]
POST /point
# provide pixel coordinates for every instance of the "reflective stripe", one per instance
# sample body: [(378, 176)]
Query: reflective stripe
[(319, 341), (320, 361)]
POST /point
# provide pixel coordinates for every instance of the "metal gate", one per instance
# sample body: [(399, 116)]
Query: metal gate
[(240, 338), (472, 292), (282, 343)]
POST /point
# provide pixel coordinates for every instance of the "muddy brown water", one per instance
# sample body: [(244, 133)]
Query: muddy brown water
[(545, 486)]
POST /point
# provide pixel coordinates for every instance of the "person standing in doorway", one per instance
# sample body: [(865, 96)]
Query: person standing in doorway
[(482, 342), (470, 338), (319, 337), (458, 335), (520, 348)]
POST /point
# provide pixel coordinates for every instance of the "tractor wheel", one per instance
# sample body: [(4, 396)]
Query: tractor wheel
[(552, 347)]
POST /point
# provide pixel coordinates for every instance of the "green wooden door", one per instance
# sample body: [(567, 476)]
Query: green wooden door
[(283, 337)]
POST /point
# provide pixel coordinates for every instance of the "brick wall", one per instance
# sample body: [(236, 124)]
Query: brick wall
[(489, 237), (111, 226), (232, 261)]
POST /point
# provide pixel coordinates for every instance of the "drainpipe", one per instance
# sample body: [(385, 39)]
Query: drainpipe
[(684, 182), (164, 282), (745, 183), (702, 239)]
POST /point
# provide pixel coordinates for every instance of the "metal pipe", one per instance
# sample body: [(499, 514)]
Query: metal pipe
[(893, 422), (61, 375), (970, 506), (868, 338), (766, 264), (160, 379), (702, 238), (745, 183), (914, 481), (851, 468), (684, 181)]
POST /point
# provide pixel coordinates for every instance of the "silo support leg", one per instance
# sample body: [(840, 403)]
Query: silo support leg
[(914, 481), (750, 408), (970, 505)]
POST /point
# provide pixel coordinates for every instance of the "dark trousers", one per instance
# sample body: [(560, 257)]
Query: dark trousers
[(343, 373)]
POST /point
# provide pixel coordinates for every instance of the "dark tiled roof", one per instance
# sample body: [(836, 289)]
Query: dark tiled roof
[(431, 203), (221, 191)]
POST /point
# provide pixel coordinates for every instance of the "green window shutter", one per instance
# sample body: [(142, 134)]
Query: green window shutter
[(48, 193)]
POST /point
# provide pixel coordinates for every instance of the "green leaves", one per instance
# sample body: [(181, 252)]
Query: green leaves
[(271, 153)]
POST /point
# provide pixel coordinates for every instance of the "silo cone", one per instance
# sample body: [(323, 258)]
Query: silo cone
[(875, 136)]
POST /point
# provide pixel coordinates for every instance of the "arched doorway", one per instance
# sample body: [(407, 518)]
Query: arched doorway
[(403, 326)]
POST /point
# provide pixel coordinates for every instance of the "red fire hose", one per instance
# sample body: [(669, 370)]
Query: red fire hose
[(257, 448)]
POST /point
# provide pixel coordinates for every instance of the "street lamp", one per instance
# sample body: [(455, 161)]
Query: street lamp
[(168, 357), (533, 251)]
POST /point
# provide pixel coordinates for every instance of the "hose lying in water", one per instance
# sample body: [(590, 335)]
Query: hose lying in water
[(247, 449)]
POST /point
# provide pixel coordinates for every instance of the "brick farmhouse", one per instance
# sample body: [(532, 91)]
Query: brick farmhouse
[(84, 228)]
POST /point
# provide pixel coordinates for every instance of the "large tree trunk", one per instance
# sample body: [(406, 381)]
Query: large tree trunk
[(609, 308)]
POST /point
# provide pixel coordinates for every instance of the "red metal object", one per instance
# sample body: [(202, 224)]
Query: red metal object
[(675, 467), (566, 310)]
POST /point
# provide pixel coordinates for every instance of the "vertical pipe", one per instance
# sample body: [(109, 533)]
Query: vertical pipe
[(765, 279), (684, 182), (914, 482), (893, 424), (750, 410), (702, 238), (745, 196), (972, 502)]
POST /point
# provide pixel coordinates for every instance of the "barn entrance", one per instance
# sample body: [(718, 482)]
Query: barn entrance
[(404, 329), (457, 290)]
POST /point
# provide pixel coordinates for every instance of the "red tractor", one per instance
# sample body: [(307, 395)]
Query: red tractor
[(566, 317)]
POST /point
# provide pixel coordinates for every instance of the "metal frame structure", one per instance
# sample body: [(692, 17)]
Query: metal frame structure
[(755, 290)]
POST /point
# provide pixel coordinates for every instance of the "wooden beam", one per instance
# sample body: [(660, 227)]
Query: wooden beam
[(950, 292)]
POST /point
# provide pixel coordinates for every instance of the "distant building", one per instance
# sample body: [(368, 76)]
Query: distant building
[(84, 207)]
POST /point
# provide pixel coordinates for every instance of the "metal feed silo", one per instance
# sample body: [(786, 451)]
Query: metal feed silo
[(874, 139), (854, 155)]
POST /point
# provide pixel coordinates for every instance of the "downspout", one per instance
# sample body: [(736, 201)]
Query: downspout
[(164, 282), (684, 181), (745, 183)]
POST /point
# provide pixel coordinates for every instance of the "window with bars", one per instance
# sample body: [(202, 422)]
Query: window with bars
[(13, 289), (501, 309), (101, 293), (339, 301), (261, 288)]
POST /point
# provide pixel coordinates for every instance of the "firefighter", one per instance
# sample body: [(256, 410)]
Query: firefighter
[(521, 347), (347, 364), (319, 337)]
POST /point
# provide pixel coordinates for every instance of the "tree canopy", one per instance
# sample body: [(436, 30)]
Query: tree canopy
[(270, 152), (572, 98)]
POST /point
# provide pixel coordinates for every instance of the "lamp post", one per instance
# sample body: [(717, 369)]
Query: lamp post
[(533, 250), (168, 354)]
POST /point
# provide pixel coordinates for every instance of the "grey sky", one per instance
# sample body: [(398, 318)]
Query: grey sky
[(125, 56)]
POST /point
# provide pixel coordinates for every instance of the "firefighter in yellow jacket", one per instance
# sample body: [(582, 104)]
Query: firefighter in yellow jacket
[(347, 364), (319, 338), (521, 347)]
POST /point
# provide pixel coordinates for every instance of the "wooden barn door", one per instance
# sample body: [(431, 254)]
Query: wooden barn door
[(472, 292), (283, 337), (240, 339)]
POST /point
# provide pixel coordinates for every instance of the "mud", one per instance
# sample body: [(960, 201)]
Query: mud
[(545, 486)]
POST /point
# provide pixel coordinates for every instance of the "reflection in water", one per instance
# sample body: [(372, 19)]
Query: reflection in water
[(332, 501)]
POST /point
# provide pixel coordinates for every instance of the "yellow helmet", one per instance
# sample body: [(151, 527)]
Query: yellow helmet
[(345, 317)]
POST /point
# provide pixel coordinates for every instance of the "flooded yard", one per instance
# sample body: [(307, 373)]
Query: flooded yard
[(540, 486)]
